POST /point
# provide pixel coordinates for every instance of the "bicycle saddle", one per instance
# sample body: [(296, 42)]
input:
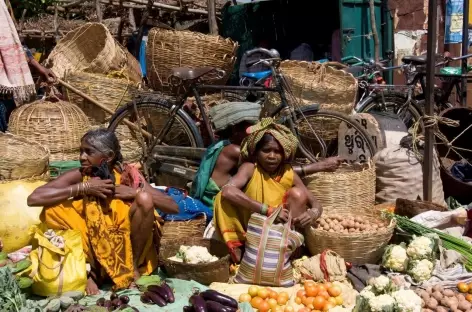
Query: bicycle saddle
[(414, 59), (186, 73)]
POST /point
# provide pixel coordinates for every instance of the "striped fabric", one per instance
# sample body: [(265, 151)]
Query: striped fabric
[(269, 246)]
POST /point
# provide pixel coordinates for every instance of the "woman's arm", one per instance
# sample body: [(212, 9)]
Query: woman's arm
[(329, 164), (161, 201), (55, 191), (233, 190), (315, 210)]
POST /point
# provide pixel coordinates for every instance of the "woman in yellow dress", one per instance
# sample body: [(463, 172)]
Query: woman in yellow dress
[(265, 180), (113, 207)]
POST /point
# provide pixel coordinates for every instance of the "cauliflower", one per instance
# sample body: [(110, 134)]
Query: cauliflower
[(382, 303), (420, 248), (380, 283), (420, 270), (367, 293), (407, 301), (395, 258), (193, 255)]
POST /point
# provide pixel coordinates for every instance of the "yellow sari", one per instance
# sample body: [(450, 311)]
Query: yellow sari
[(232, 221), (106, 237)]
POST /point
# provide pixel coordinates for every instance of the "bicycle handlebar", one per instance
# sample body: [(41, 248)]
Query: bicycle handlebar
[(272, 52)]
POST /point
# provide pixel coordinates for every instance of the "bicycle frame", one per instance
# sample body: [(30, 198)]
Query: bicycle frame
[(194, 88)]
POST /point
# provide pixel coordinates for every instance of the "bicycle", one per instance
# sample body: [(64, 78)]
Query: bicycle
[(178, 129)]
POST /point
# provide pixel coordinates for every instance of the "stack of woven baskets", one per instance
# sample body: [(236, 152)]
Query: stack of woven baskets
[(350, 191), (58, 126)]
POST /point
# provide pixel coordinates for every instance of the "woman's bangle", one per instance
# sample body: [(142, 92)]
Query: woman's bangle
[(70, 191), (270, 211), (264, 209), (303, 171)]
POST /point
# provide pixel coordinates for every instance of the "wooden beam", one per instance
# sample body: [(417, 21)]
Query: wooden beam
[(99, 10), (212, 23), (170, 7)]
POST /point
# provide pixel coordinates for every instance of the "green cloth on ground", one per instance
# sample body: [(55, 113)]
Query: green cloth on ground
[(203, 187), (56, 168)]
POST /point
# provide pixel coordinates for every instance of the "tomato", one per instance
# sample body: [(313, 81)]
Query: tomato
[(277, 309), (282, 300), (301, 293), (319, 303), (308, 301), (284, 294), (289, 308), (253, 291), (470, 288), (255, 302), (328, 285), (245, 298), (263, 293), (304, 310), (264, 306), (468, 297), (463, 287), (309, 284), (324, 294), (332, 300), (334, 291), (298, 300), (328, 306), (311, 291), (272, 303), (321, 287), (339, 300), (273, 294)]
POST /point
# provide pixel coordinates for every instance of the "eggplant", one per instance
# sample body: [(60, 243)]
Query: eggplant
[(198, 303), (145, 299), (214, 306), (124, 306), (170, 292), (135, 309), (189, 309), (160, 291), (113, 296), (107, 304), (156, 298), (116, 302), (213, 295), (100, 302), (124, 299)]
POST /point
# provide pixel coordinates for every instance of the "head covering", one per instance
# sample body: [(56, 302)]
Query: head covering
[(282, 134), (230, 114)]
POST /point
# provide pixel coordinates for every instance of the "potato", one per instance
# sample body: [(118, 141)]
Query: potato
[(429, 290), (438, 288), (424, 295), (426, 310), (441, 309), (445, 302), (448, 293), (432, 303), (460, 297), (464, 305), (437, 295)]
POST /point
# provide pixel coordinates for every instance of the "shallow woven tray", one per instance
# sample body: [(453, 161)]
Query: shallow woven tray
[(358, 248), (21, 158), (351, 188), (205, 274)]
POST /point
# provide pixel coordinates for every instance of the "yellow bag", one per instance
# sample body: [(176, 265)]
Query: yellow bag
[(58, 270)]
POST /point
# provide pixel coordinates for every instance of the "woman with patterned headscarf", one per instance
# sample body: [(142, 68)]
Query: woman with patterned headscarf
[(265, 180)]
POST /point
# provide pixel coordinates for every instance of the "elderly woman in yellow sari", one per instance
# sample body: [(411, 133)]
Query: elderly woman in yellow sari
[(113, 207), (265, 180)]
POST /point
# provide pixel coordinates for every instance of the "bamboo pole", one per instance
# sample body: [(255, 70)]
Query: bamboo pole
[(169, 7), (106, 109), (212, 23), (375, 34), (99, 10)]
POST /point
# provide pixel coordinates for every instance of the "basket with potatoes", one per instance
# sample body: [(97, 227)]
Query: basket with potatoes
[(440, 299), (359, 238)]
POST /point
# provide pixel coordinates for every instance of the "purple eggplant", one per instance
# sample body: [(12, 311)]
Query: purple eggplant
[(198, 303), (100, 302), (145, 299), (214, 306), (156, 298), (124, 299), (107, 304), (113, 296), (124, 306), (213, 295), (169, 291), (160, 291), (116, 303), (189, 309)]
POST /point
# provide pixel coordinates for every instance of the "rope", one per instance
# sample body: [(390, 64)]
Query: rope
[(433, 122)]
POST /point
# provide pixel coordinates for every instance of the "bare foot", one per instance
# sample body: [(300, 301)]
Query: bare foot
[(133, 285), (92, 288)]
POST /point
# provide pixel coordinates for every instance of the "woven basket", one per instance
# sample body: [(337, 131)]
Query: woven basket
[(358, 248), (173, 229), (313, 83), (58, 126), (168, 49), (205, 274), (21, 159), (92, 48), (108, 91), (348, 190)]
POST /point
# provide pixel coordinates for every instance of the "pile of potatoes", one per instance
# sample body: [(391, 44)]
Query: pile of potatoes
[(443, 300), (348, 224)]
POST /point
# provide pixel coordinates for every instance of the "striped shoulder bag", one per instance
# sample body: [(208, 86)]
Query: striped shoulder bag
[(266, 260)]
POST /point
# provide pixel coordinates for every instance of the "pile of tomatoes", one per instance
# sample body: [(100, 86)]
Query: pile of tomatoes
[(319, 297), (265, 299)]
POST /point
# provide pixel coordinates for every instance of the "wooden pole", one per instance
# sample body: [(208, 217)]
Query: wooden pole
[(99, 10), (373, 25), (429, 108), (465, 51), (212, 23)]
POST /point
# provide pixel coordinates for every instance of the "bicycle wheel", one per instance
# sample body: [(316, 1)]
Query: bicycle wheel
[(153, 114), (321, 127), (394, 103)]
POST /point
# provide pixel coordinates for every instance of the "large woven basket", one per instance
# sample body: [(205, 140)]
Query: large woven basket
[(168, 49), (92, 48), (205, 274), (358, 248), (313, 83), (107, 90), (173, 229), (58, 126), (21, 159), (349, 189)]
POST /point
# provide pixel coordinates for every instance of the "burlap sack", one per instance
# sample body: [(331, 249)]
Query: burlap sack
[(327, 266)]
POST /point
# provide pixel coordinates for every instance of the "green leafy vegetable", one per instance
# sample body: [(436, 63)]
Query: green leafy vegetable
[(11, 298)]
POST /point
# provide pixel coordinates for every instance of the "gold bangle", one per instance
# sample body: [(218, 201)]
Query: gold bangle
[(70, 191)]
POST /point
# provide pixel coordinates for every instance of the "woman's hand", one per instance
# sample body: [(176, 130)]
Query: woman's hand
[(331, 164), (283, 216), (99, 188), (307, 218), (124, 192)]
